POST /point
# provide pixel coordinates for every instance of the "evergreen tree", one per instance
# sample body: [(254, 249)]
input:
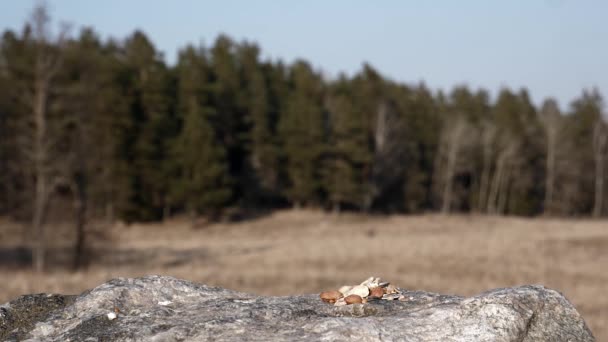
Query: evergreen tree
[(422, 130), (262, 143), (348, 151), (231, 123), (203, 182), (302, 130), (5, 159), (98, 108), (151, 129), (128, 133), (16, 74), (277, 91), (383, 123)]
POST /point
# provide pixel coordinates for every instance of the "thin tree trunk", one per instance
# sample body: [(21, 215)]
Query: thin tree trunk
[(46, 65), (482, 202), (380, 133), (166, 212), (454, 142), (494, 191), (600, 140), (488, 133), (599, 188), (80, 208), (110, 212), (41, 180), (38, 217), (504, 192), (550, 165), (449, 175)]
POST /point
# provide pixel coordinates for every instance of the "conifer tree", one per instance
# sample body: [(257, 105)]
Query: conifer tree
[(98, 107), (277, 91), (150, 130), (302, 129), (202, 183), (422, 128), (5, 174), (261, 140), (348, 149), (231, 124)]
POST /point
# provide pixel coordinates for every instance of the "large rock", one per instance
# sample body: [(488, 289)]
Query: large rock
[(159, 308)]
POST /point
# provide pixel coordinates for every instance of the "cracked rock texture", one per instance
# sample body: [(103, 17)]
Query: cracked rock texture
[(156, 308)]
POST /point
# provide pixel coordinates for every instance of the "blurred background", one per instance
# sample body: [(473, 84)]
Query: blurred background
[(294, 147)]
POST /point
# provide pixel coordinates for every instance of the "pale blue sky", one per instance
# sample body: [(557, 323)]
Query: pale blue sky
[(552, 47)]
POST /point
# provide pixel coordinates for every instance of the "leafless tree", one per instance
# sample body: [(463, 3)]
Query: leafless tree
[(551, 122), (388, 151), (454, 138), (505, 165), (488, 134), (600, 147), (48, 60)]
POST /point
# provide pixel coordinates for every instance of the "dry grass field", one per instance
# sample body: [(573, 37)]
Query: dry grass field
[(306, 251)]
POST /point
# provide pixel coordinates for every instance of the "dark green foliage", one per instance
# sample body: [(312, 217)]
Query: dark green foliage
[(260, 114), (5, 146), (303, 132), (16, 63), (226, 128), (423, 127), (201, 182), (150, 130), (348, 151), (99, 114)]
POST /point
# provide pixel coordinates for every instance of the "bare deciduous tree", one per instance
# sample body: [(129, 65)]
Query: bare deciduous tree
[(488, 134), (600, 147), (551, 122), (505, 164), (454, 138), (48, 59), (388, 152)]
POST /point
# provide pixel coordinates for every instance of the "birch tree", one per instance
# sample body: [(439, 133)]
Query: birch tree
[(504, 170), (551, 122), (600, 149), (488, 134), (454, 139)]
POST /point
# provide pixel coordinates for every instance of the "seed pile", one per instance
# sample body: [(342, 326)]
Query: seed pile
[(371, 289)]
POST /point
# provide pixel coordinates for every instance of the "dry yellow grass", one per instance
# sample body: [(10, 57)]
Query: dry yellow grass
[(304, 252)]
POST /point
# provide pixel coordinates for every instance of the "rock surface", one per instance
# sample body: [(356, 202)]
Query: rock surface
[(156, 308)]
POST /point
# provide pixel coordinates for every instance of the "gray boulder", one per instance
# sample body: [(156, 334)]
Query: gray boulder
[(156, 308)]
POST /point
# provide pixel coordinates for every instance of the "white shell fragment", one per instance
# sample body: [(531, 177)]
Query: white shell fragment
[(112, 316), (359, 290), (344, 289), (165, 303)]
